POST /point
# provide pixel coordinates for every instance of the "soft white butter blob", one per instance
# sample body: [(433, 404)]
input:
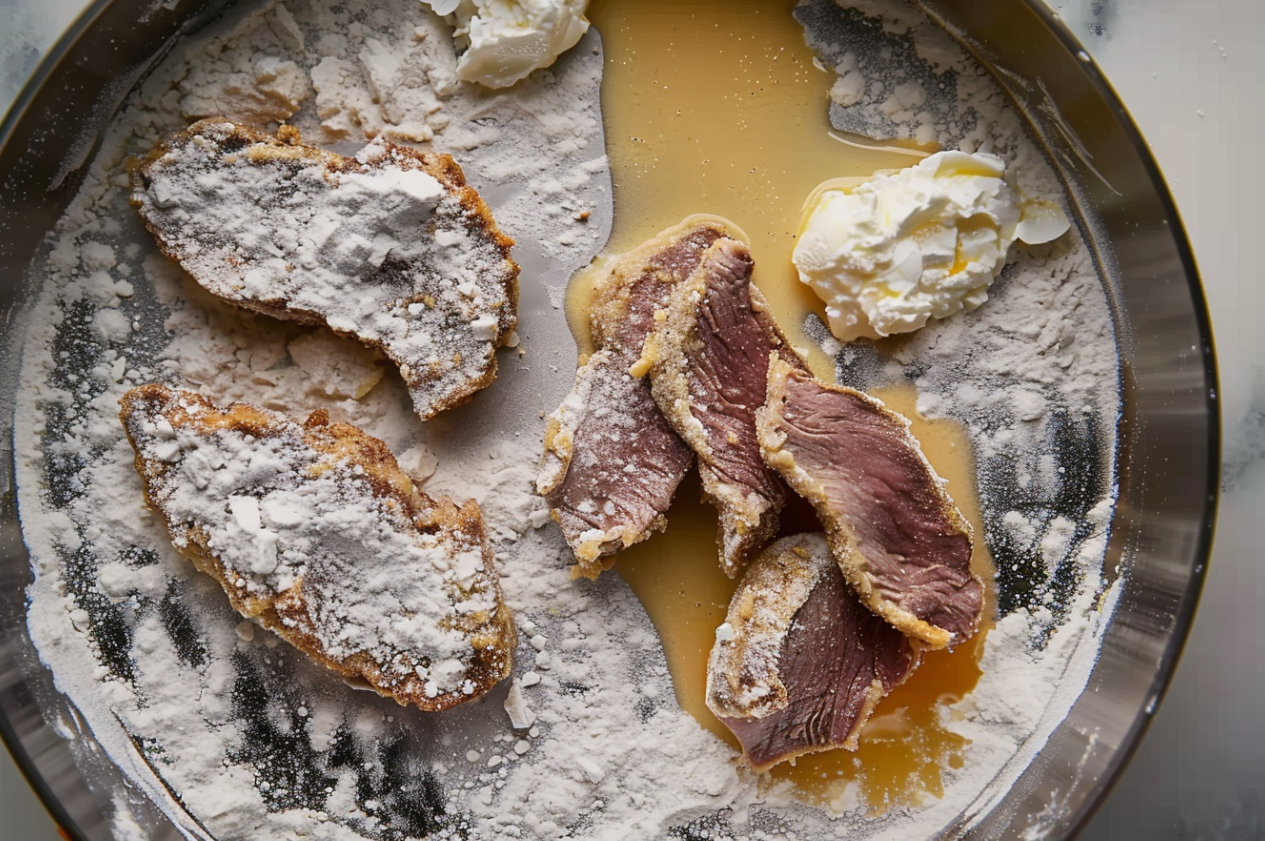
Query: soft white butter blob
[(507, 39), (924, 242)]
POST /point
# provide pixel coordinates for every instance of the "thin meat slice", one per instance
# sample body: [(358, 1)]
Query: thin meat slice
[(612, 463), (901, 542), (391, 246), (800, 664), (315, 533), (708, 360)]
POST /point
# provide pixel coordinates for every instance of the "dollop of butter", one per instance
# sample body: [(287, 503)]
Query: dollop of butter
[(924, 242), (505, 40)]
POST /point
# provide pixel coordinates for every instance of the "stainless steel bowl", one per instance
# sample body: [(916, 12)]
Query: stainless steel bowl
[(1168, 454)]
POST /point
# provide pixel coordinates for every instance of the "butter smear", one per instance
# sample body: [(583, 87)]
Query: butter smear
[(924, 242), (505, 40)]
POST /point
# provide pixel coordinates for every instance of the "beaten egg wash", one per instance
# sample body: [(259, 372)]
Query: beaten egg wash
[(719, 108)]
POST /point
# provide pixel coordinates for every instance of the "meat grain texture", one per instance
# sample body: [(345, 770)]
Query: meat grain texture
[(901, 542), (800, 663), (708, 362), (612, 461)]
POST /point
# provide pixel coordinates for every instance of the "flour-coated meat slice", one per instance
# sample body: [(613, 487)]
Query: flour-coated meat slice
[(315, 533), (708, 360), (612, 462), (901, 542), (800, 664), (390, 246)]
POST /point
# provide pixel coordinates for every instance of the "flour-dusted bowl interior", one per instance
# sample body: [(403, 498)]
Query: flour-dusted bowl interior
[(1164, 460)]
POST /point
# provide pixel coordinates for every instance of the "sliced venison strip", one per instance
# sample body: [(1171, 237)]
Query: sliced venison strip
[(708, 360), (901, 542), (612, 463), (800, 664)]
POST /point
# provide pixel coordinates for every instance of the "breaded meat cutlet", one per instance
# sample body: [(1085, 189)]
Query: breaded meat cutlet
[(316, 534), (390, 246)]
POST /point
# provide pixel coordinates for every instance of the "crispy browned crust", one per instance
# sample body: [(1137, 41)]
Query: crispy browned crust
[(287, 615), (286, 144)]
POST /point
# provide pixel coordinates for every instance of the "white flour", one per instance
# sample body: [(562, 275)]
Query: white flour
[(290, 513), (234, 732), (385, 246)]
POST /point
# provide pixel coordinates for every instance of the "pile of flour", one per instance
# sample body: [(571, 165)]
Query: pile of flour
[(232, 732)]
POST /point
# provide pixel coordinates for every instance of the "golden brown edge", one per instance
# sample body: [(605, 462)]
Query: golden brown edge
[(441, 166), (388, 481), (841, 538)]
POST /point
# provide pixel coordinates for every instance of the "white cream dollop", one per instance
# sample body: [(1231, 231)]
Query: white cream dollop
[(507, 39), (920, 243)]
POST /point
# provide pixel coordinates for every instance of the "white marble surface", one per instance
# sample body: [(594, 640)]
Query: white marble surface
[(1192, 76)]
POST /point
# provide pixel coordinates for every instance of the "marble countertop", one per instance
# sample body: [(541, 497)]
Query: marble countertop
[(1192, 76)]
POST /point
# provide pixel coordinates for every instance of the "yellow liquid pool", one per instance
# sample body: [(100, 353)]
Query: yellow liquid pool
[(718, 108)]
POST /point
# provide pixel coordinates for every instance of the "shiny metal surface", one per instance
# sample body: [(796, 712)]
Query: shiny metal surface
[(1168, 455), (46, 138), (1169, 451)]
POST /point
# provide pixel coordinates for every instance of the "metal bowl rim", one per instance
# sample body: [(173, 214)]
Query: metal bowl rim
[(63, 50)]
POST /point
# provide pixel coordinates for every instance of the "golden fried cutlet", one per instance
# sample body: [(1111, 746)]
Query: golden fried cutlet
[(390, 246), (315, 533)]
